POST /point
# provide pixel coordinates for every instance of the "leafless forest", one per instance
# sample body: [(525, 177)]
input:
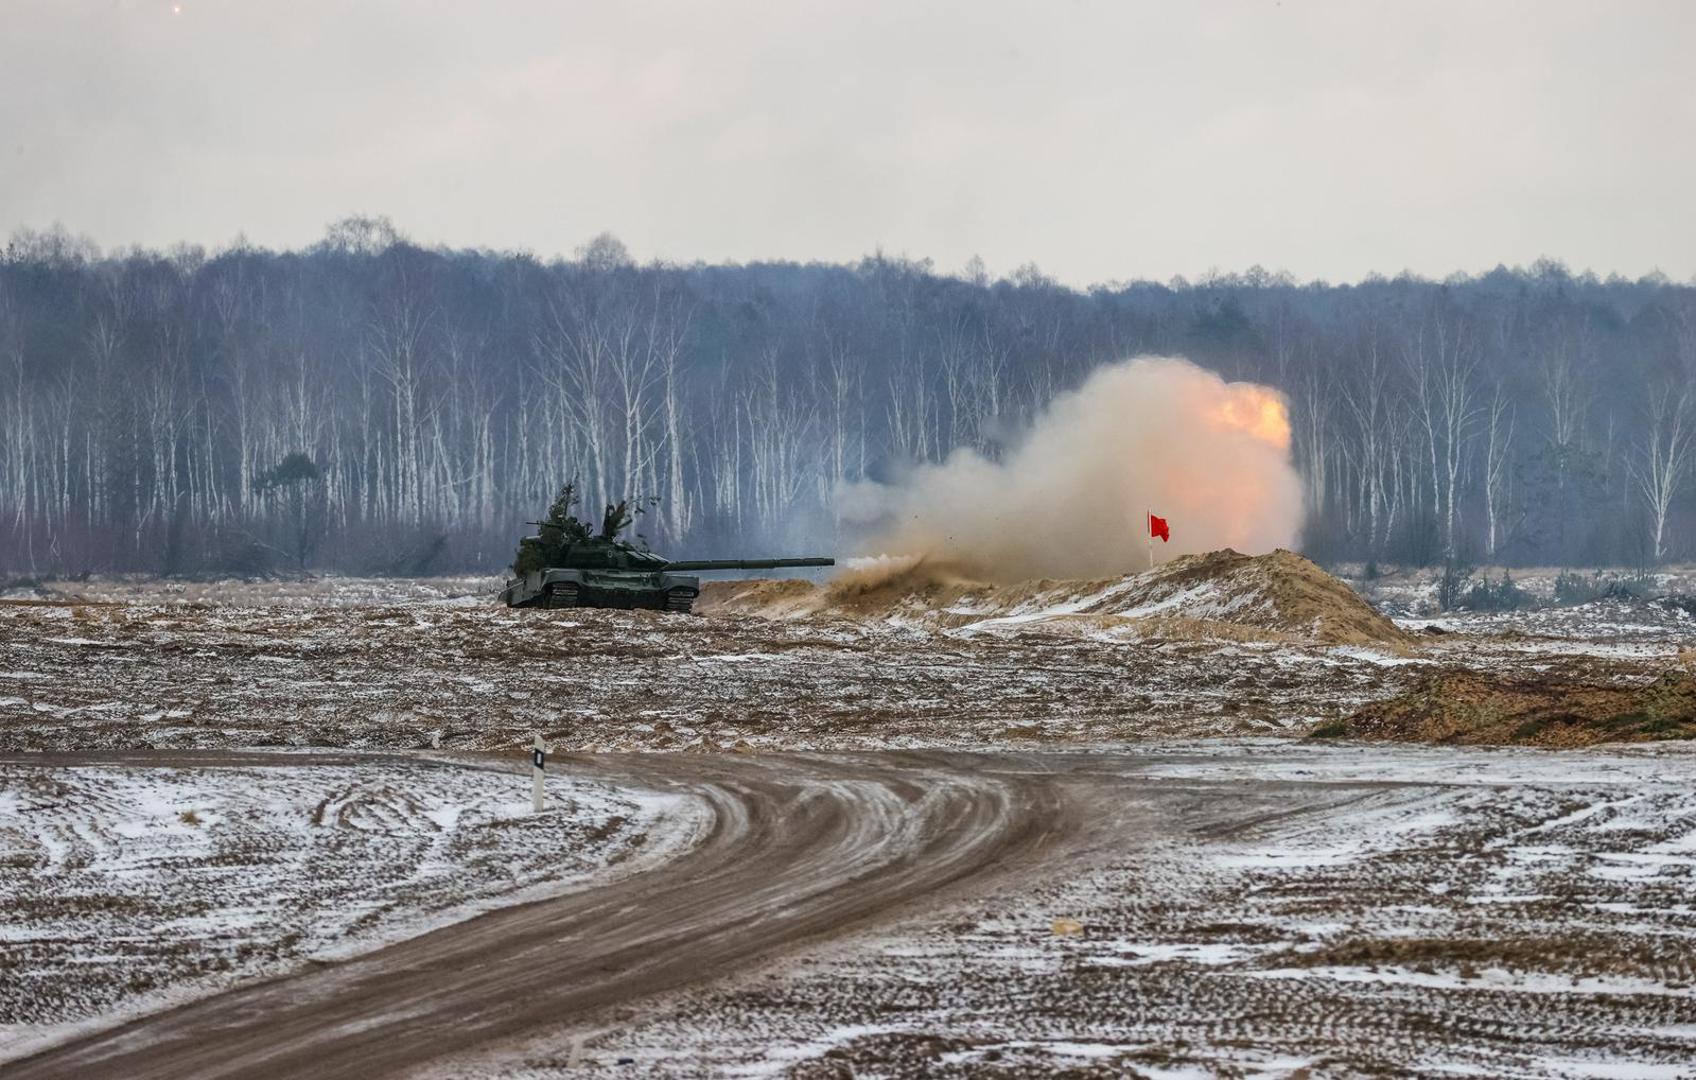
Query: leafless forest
[(373, 406)]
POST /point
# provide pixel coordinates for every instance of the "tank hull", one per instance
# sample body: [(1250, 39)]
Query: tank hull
[(622, 589)]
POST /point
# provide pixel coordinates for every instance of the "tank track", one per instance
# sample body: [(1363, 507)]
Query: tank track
[(564, 595), (570, 595)]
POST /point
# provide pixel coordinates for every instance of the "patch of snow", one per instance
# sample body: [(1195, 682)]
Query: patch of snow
[(1373, 656), (1125, 954), (1497, 979), (340, 858)]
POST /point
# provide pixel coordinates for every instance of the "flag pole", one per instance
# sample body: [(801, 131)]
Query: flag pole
[(1148, 534)]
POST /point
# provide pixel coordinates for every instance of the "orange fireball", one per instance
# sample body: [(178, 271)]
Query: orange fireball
[(1258, 411)]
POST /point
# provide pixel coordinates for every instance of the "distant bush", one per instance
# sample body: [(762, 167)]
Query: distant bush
[(1452, 586), (1681, 603), (238, 554), (1575, 588), (1636, 587), (1503, 595)]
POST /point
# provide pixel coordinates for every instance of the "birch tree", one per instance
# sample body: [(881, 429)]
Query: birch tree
[(1663, 457), (1498, 445)]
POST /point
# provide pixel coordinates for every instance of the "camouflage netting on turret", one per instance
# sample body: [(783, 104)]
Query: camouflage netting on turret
[(556, 532)]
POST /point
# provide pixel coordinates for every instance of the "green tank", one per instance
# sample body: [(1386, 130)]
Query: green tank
[(568, 564), (602, 573)]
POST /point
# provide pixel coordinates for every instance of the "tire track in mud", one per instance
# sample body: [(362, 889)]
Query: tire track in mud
[(799, 847)]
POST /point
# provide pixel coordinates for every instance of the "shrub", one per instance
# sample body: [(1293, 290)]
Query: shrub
[(238, 554), (1452, 586), (1503, 595), (1636, 587), (1574, 588)]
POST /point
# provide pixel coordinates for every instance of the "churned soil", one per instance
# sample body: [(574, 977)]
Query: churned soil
[(474, 675), (1461, 706), (1214, 645)]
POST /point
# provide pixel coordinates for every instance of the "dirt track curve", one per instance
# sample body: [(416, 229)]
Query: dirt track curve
[(798, 847)]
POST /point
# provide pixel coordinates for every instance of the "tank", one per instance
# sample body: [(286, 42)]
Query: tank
[(567, 564), (598, 572)]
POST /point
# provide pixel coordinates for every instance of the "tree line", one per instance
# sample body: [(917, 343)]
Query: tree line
[(371, 405)]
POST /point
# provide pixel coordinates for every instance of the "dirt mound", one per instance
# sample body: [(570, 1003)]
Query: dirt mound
[(1220, 594), (1459, 706), (1281, 592)]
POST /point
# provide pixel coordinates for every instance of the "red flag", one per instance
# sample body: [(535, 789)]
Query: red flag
[(1157, 527)]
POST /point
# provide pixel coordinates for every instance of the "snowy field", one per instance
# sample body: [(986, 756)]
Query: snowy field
[(1413, 592), (129, 886), (1248, 903), (1431, 912), (436, 665), (180, 674)]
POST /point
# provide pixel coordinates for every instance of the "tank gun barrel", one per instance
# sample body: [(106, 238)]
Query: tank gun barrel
[(745, 564)]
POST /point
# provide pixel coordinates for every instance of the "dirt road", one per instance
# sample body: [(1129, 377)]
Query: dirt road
[(1241, 900), (799, 847)]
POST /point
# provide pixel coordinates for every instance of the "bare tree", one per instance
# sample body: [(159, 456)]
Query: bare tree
[(1367, 397), (1498, 446), (1441, 367), (141, 394), (1663, 457)]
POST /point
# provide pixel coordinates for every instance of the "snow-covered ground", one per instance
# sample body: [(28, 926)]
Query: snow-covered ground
[(1400, 911), (448, 669), (1384, 910), (178, 674), (130, 886), (1413, 592), (280, 593)]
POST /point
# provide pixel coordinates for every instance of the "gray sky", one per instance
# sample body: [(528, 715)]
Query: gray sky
[(1102, 140)]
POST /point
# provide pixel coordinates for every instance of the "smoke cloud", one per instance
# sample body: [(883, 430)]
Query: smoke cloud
[(1150, 434)]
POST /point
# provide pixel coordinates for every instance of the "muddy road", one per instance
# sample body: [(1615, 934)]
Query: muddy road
[(1371, 910), (799, 848)]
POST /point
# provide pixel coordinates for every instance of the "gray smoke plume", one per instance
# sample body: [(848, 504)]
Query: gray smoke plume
[(1150, 434)]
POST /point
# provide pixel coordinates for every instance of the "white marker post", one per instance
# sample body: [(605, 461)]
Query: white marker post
[(538, 757)]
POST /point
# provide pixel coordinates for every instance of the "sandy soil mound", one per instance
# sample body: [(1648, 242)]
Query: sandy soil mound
[(1281, 591), (1220, 594), (1460, 706)]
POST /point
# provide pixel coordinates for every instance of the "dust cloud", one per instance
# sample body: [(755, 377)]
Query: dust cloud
[(1068, 499)]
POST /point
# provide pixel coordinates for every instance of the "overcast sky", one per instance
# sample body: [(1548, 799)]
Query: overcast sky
[(1103, 141)]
